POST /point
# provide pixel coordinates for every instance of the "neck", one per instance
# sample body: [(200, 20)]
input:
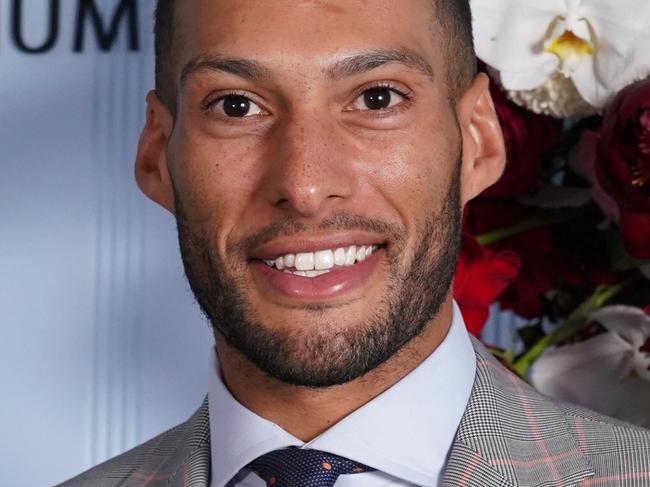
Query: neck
[(306, 412)]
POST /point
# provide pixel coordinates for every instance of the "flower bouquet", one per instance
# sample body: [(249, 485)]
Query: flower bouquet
[(563, 239)]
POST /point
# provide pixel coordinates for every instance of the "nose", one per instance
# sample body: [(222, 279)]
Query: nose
[(311, 167)]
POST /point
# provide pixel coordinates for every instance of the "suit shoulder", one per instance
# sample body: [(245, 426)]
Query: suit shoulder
[(619, 452), (604, 432), (155, 462), (114, 471)]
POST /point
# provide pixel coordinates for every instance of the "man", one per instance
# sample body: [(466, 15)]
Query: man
[(316, 155)]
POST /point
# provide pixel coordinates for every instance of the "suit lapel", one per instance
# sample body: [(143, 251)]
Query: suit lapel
[(180, 457), (510, 435)]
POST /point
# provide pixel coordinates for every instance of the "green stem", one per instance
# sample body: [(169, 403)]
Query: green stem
[(573, 323), (534, 222)]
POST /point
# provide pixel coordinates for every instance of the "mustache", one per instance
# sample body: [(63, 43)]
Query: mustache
[(342, 221)]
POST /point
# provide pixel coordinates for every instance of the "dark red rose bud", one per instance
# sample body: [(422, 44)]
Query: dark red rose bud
[(621, 170)]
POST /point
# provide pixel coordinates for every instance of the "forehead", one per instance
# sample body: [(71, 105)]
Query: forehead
[(304, 32)]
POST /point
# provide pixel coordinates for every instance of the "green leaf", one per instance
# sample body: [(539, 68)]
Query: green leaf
[(621, 261), (531, 334), (574, 322)]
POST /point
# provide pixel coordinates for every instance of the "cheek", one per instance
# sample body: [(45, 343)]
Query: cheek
[(415, 170), (213, 181)]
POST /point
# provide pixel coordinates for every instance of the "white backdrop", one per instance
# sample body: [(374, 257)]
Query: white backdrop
[(101, 345)]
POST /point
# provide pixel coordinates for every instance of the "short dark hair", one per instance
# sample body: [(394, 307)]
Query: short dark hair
[(454, 15), (163, 32)]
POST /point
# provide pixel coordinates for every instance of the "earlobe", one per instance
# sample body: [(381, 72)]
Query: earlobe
[(151, 171), (483, 146)]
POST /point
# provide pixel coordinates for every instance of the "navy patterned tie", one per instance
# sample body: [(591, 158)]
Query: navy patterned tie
[(295, 467)]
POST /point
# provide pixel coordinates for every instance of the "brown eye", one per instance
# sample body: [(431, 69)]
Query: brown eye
[(378, 98), (237, 106)]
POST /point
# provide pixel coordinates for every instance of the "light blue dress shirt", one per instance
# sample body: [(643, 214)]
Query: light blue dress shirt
[(405, 433)]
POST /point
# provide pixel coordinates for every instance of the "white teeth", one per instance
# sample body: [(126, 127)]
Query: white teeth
[(305, 261), (315, 273), (323, 259), (339, 256), (361, 254), (350, 255)]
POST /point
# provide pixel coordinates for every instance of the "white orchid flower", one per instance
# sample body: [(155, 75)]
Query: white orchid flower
[(549, 47), (609, 373)]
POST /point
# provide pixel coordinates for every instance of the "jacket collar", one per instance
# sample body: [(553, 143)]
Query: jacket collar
[(511, 435), (188, 462)]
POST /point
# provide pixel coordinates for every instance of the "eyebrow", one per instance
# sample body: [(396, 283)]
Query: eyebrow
[(369, 60), (244, 68), (348, 66)]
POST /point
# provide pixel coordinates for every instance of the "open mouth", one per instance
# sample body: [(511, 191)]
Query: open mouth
[(306, 269), (321, 262)]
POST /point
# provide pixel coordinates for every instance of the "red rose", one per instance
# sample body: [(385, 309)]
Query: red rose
[(481, 276), (527, 138), (541, 260), (617, 161), (545, 259)]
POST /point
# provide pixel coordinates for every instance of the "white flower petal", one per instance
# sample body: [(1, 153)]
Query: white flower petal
[(573, 5), (622, 31), (595, 374), (630, 323), (581, 29), (641, 363), (573, 372), (541, 69), (558, 27), (627, 15), (509, 35), (588, 84)]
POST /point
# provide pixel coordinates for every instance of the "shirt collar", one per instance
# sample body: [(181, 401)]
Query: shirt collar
[(407, 431)]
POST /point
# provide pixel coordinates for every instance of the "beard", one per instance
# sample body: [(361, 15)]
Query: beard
[(326, 355)]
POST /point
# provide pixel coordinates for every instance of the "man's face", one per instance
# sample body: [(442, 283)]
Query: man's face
[(314, 160)]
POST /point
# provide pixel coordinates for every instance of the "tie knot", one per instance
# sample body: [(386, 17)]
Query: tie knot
[(296, 467)]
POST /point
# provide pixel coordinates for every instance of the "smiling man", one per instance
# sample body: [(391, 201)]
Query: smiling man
[(317, 155)]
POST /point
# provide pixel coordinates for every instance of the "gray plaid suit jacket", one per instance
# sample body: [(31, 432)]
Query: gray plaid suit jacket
[(510, 435)]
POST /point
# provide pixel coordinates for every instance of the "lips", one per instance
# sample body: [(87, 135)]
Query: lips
[(316, 271), (323, 285)]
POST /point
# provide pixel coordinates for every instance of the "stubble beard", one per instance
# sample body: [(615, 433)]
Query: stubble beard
[(326, 355)]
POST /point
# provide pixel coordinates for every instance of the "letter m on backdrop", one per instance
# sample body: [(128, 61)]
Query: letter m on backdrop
[(106, 32)]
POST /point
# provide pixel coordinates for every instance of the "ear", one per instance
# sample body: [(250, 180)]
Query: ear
[(151, 170), (483, 147)]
